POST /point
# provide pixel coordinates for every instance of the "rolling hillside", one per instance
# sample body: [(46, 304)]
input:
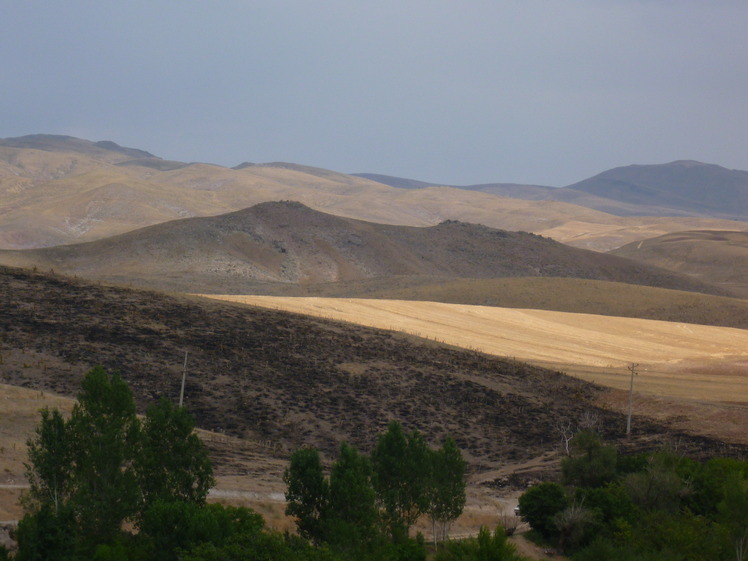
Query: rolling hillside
[(59, 190), (291, 243), (721, 257), (290, 379)]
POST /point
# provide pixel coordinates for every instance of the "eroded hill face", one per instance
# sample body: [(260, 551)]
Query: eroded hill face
[(56, 190), (291, 243)]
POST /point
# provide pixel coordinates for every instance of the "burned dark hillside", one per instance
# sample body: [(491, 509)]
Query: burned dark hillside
[(289, 379)]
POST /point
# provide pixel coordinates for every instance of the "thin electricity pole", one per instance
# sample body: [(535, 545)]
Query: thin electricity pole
[(632, 369), (184, 377)]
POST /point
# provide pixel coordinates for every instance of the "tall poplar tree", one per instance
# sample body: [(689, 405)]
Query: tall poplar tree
[(353, 513), (307, 493), (446, 493), (401, 472), (104, 431)]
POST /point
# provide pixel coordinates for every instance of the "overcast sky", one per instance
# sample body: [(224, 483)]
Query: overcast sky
[(547, 92)]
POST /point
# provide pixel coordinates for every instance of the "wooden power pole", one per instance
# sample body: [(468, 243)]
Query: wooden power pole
[(632, 369), (184, 378)]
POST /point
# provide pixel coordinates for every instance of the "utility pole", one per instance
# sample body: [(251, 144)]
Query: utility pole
[(632, 369), (184, 378)]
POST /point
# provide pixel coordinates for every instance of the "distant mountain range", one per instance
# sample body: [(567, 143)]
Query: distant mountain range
[(60, 190), (681, 188)]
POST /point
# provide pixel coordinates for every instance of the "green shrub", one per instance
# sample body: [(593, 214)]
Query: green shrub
[(539, 504)]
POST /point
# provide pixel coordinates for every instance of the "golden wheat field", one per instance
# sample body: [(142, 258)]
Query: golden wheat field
[(674, 359)]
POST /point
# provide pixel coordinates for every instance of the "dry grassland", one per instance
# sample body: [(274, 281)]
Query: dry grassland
[(675, 359)]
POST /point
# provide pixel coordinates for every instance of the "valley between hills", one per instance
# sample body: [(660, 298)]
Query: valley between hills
[(332, 303)]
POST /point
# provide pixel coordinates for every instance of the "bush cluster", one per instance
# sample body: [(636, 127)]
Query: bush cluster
[(660, 506)]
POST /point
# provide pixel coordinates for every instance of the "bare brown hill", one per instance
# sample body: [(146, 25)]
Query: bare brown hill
[(721, 257), (59, 190), (289, 242), (291, 380)]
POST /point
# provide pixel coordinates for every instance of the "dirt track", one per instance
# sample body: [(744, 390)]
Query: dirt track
[(675, 359)]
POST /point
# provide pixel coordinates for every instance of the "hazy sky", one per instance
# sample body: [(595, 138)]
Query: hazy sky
[(546, 92)]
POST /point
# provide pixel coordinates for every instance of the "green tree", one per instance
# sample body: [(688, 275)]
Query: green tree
[(733, 514), (446, 490), (47, 534), (539, 504), (307, 493), (575, 524), (352, 508), (401, 470), (611, 502), (48, 470), (172, 463), (168, 527), (105, 432), (591, 463), (97, 470), (659, 487)]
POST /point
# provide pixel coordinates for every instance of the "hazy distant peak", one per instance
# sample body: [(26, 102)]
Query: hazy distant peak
[(399, 182), (114, 147), (682, 187), (689, 163), (154, 162), (244, 165), (64, 143)]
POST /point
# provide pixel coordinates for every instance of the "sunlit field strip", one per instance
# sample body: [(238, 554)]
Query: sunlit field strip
[(593, 347)]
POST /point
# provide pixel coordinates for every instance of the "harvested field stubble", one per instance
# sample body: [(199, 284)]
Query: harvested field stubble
[(675, 359)]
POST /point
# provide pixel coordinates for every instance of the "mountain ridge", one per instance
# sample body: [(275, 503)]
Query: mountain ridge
[(76, 190), (288, 242), (671, 189)]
